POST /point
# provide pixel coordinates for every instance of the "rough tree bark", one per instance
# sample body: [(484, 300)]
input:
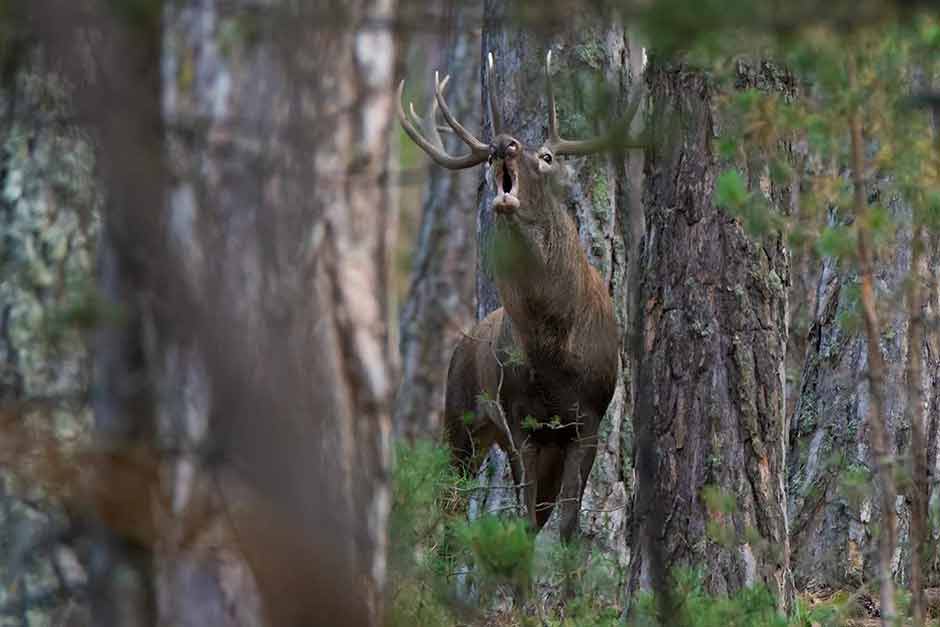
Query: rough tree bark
[(834, 511), (440, 301), (709, 419), (595, 67)]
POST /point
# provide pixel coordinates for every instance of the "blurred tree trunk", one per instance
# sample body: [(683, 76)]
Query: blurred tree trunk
[(279, 215), (47, 211), (834, 505), (439, 305), (709, 420), (595, 67), (245, 239)]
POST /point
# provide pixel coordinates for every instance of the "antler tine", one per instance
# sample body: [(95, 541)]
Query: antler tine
[(495, 115), (476, 146), (437, 126), (429, 124), (415, 118), (553, 137), (617, 137), (437, 153)]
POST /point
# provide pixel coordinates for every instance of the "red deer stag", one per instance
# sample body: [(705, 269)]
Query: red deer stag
[(536, 375)]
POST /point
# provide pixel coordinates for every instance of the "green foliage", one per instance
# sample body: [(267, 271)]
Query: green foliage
[(531, 423), (502, 548), (837, 241), (417, 604), (855, 483), (731, 190), (750, 607), (718, 500), (773, 143), (431, 540), (515, 356), (586, 578), (422, 481)]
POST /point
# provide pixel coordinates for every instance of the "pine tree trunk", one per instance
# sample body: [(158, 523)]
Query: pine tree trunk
[(248, 372), (244, 382), (48, 216), (439, 305), (279, 215), (834, 508), (709, 419)]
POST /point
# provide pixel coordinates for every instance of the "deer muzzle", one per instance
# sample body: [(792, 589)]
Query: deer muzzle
[(506, 182)]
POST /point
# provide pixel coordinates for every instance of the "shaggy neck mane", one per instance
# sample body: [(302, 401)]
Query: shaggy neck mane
[(547, 297)]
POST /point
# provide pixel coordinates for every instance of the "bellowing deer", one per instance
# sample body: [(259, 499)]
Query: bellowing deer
[(536, 375)]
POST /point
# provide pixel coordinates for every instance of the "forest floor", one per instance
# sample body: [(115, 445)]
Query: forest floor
[(865, 607)]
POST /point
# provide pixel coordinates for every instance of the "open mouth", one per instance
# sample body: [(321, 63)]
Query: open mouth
[(506, 183)]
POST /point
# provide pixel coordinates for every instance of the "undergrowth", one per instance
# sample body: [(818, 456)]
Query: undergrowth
[(446, 570)]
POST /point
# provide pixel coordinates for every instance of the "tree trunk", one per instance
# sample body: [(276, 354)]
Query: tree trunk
[(709, 420), (595, 67), (48, 215), (835, 512), (244, 387), (439, 305), (279, 363)]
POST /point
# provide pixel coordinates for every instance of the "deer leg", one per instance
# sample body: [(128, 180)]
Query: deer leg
[(579, 458), (551, 464), (530, 458)]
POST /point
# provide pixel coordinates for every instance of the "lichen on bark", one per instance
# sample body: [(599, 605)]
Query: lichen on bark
[(48, 208)]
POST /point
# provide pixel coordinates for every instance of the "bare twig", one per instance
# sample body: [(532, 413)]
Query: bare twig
[(505, 424), (876, 367), (918, 444)]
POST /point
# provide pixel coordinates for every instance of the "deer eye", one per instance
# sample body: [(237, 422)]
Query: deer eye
[(546, 157)]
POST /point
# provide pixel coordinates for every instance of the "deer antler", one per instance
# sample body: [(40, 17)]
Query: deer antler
[(495, 115), (479, 152), (617, 137)]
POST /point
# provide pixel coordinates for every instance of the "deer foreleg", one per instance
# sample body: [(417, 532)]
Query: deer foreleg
[(579, 458)]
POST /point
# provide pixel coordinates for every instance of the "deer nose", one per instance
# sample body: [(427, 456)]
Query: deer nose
[(507, 149)]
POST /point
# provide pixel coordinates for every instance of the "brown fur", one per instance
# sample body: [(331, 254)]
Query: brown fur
[(551, 350)]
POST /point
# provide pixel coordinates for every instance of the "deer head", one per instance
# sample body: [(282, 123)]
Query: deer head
[(526, 180)]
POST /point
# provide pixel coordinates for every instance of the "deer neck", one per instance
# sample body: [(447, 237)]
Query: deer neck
[(544, 292)]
